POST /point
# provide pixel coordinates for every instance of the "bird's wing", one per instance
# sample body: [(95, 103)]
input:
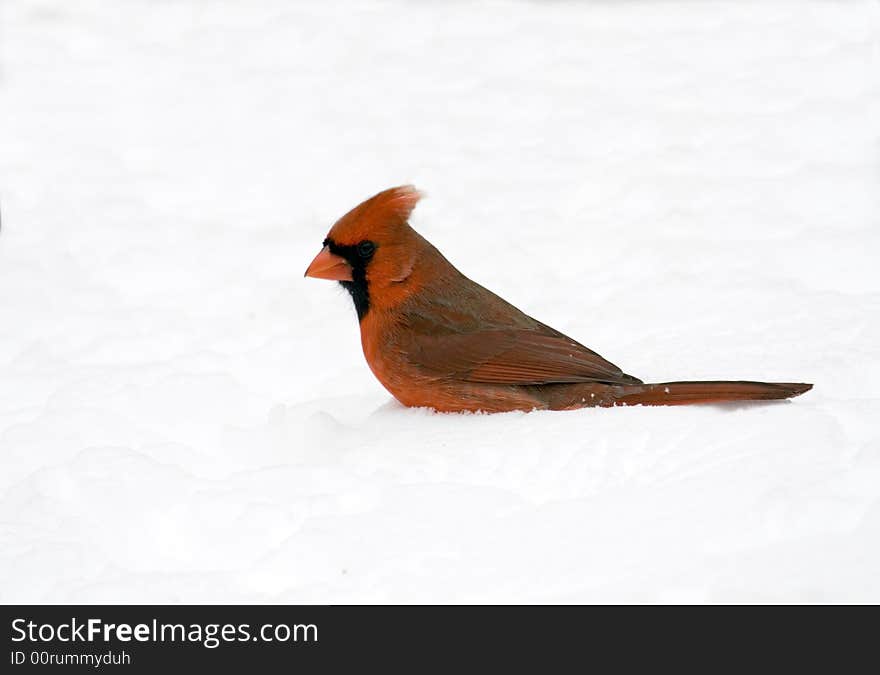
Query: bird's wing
[(515, 355)]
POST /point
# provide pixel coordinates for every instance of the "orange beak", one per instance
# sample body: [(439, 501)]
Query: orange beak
[(330, 266)]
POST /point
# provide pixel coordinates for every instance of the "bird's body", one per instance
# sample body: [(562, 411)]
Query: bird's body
[(436, 339)]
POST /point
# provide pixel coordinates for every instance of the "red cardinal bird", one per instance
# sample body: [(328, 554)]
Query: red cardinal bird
[(434, 338)]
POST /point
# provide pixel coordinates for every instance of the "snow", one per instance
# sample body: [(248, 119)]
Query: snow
[(689, 189)]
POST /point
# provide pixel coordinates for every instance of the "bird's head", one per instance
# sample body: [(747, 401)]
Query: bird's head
[(372, 250)]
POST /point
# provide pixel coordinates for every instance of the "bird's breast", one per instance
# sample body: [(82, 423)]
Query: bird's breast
[(383, 355), (414, 386)]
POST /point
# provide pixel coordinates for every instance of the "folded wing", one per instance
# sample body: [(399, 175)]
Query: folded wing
[(522, 356)]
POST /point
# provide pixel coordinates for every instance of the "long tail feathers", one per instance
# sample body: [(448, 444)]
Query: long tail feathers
[(685, 393)]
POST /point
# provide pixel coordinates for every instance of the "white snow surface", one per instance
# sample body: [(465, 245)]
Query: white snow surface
[(690, 189)]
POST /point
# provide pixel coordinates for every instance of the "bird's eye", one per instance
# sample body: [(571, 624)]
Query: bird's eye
[(366, 249)]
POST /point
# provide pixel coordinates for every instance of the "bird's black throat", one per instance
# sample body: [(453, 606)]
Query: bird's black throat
[(358, 256)]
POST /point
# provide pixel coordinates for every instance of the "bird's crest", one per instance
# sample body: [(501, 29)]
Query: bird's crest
[(387, 210)]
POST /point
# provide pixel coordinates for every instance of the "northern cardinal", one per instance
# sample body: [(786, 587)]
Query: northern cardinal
[(436, 339)]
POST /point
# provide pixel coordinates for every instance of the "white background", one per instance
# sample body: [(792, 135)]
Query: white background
[(693, 190)]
